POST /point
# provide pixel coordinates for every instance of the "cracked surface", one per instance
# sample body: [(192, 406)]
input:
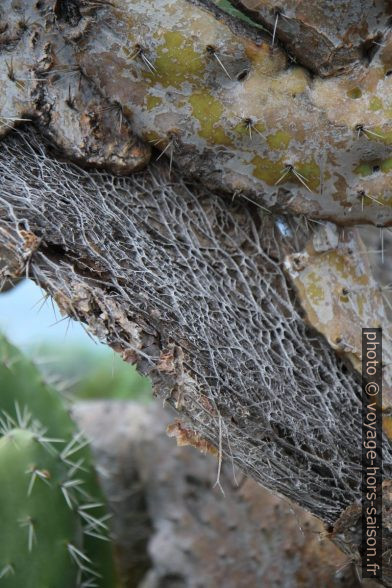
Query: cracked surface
[(214, 98), (192, 288), (328, 37), (40, 81), (338, 292), (187, 283), (184, 102)]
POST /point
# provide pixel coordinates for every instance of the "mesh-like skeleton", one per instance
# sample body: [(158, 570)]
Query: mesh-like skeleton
[(191, 286)]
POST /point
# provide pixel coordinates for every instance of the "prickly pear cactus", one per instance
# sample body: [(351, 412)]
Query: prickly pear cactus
[(293, 114), (214, 94), (335, 285), (328, 37), (54, 525), (40, 535), (40, 82)]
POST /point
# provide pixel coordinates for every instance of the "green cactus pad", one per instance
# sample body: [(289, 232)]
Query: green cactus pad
[(35, 416), (22, 383), (38, 530)]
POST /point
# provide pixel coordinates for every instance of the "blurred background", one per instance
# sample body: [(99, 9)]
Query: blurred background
[(71, 360), (171, 524)]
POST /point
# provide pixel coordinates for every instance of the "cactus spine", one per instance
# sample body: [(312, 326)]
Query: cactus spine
[(54, 524)]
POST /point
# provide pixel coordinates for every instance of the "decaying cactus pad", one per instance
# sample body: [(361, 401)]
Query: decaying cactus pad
[(326, 36), (211, 93)]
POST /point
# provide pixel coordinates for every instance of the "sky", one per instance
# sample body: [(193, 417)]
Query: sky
[(26, 320)]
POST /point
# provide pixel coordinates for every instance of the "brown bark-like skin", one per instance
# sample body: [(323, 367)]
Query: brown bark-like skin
[(328, 37), (40, 81), (202, 84), (176, 269), (192, 288), (209, 93)]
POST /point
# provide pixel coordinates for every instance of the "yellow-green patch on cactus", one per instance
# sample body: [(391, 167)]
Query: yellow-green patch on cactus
[(191, 79), (334, 282)]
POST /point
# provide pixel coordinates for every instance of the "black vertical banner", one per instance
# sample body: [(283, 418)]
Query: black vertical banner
[(371, 548)]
